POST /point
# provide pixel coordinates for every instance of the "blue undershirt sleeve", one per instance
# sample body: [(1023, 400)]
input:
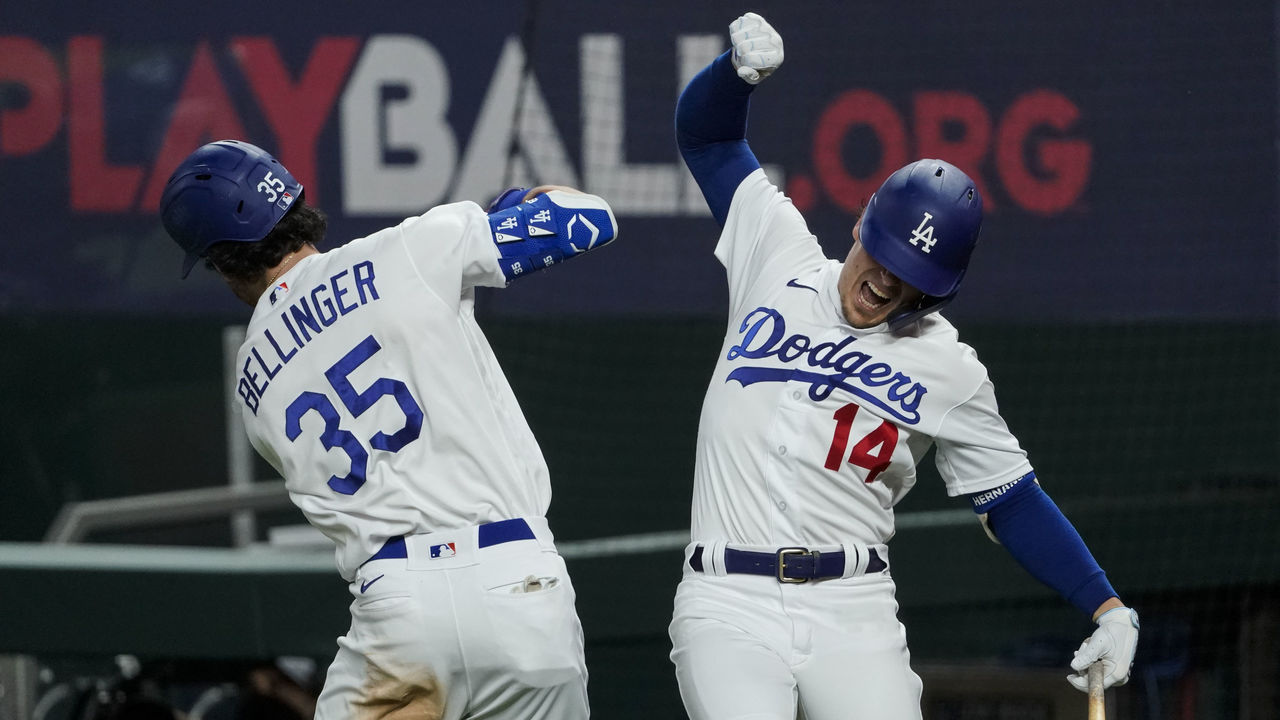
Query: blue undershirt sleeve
[(711, 131), (1044, 543)]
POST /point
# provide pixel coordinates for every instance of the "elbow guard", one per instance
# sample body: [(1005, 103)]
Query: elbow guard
[(548, 229)]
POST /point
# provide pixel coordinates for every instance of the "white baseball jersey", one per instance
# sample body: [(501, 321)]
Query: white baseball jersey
[(811, 429), (368, 385)]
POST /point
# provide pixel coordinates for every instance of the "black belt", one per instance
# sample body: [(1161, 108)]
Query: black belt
[(494, 533), (788, 564)]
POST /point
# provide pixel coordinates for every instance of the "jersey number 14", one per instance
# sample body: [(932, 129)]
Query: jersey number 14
[(356, 402), (873, 452)]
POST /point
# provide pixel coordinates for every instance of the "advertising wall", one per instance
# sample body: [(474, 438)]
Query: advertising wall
[(1127, 156)]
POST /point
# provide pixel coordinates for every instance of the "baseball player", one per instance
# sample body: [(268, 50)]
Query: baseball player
[(366, 382), (833, 381)]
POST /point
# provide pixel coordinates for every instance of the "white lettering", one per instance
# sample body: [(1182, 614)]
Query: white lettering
[(271, 187), (988, 496), (398, 153), (487, 167)]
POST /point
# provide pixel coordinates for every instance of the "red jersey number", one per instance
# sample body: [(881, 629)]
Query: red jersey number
[(873, 452)]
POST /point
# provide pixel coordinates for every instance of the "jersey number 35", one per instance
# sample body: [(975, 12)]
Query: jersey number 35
[(356, 402)]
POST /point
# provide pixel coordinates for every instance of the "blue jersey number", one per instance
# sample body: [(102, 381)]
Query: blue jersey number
[(356, 402)]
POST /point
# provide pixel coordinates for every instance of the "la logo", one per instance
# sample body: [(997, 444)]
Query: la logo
[(924, 234)]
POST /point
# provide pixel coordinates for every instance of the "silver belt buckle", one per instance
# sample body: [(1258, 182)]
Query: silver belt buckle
[(782, 563)]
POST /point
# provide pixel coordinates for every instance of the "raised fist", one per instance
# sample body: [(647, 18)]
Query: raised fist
[(757, 47)]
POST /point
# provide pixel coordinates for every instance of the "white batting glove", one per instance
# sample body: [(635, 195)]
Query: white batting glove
[(757, 47), (1113, 643)]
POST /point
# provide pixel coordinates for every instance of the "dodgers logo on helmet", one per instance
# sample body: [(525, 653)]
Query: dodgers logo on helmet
[(225, 191), (922, 225)]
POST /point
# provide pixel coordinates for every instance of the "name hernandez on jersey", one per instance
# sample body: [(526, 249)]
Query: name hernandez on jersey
[(810, 423)]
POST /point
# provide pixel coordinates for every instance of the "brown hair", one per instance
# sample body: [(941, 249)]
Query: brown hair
[(247, 261)]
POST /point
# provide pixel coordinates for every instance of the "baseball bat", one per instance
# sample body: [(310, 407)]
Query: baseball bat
[(1097, 700)]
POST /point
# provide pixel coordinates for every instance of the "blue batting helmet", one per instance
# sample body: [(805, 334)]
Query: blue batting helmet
[(225, 191), (922, 225)]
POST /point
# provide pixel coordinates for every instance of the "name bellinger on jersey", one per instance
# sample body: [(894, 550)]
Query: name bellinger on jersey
[(305, 317)]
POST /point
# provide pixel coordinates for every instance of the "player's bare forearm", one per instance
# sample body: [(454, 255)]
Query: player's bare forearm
[(1109, 604)]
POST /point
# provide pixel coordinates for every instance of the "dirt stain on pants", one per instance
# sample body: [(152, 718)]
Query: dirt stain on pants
[(394, 698)]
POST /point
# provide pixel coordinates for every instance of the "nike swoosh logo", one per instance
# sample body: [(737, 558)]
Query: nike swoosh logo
[(365, 586), (793, 283)]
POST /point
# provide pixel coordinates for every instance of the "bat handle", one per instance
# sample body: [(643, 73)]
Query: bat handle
[(1097, 701)]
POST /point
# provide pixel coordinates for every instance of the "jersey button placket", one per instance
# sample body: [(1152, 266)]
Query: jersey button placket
[(787, 427), (779, 487)]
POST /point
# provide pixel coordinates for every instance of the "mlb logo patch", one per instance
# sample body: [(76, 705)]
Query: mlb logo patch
[(443, 550), (286, 199), (280, 290)]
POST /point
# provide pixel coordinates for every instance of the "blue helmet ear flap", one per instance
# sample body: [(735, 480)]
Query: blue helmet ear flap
[(927, 304)]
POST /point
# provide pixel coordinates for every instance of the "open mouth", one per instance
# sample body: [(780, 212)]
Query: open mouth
[(872, 297)]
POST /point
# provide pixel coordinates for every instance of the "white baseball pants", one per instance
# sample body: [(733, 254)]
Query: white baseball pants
[(456, 631), (748, 647)]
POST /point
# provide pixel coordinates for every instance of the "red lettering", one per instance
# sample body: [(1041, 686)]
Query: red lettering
[(204, 112), (875, 451), (1063, 165), (297, 112), (1041, 169), (938, 112), (855, 108), (27, 129), (840, 440), (96, 186)]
